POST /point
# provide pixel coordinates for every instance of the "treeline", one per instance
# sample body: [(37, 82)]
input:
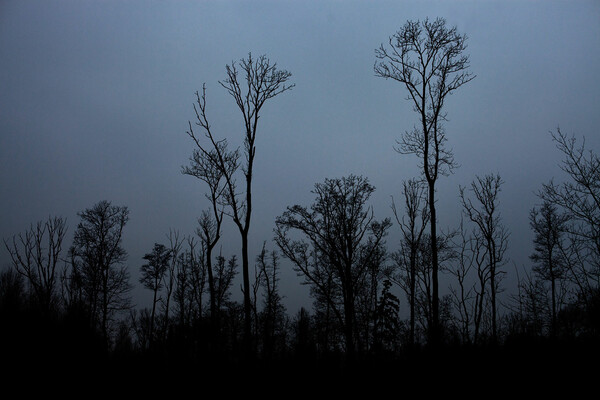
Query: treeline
[(76, 300), (79, 300)]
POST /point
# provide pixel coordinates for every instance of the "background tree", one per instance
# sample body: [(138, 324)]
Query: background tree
[(303, 341), (189, 286), (12, 292), (263, 81), (387, 320), (152, 278), (531, 307), (368, 290), (273, 314), (427, 58), (484, 214), (326, 321), (340, 238), (206, 166), (579, 198), (256, 286), (229, 312), (35, 255), (471, 296), (226, 272), (463, 296), (412, 225), (549, 229), (99, 259), (175, 246)]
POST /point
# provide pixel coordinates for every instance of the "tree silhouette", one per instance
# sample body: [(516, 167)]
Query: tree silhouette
[(484, 214), (35, 255), (263, 81), (207, 166), (273, 308), (340, 238), (549, 228), (169, 278), (189, 285), (153, 274), (412, 225), (98, 260), (225, 273), (579, 198), (387, 320), (471, 296), (426, 57)]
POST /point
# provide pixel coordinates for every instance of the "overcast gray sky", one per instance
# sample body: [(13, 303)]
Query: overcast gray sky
[(95, 97)]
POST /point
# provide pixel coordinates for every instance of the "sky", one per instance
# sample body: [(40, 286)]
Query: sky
[(95, 99)]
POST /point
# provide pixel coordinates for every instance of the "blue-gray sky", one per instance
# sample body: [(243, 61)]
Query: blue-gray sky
[(95, 97)]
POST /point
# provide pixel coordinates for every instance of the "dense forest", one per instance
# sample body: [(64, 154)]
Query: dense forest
[(70, 304)]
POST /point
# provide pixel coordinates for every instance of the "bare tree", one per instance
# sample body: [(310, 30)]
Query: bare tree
[(209, 231), (170, 277), (427, 58), (35, 255), (273, 307), (340, 238), (413, 225), (367, 297), (225, 273), (182, 288), (484, 214), (99, 259), (263, 81), (470, 297), (579, 198), (206, 166), (549, 228), (463, 296), (531, 306), (152, 278), (479, 250), (198, 280), (190, 284)]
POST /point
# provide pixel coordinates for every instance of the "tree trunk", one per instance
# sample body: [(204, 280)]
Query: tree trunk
[(413, 285), (349, 324), (435, 328), (247, 301), (492, 248), (214, 323), (152, 316), (553, 281)]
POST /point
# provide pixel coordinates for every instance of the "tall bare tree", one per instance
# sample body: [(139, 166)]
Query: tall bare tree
[(35, 255), (263, 81), (427, 58)]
